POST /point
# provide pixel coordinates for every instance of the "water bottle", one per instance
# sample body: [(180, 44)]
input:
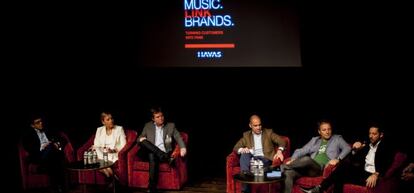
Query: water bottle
[(85, 158), (260, 168), (90, 157), (94, 157), (105, 154), (252, 165), (256, 168)]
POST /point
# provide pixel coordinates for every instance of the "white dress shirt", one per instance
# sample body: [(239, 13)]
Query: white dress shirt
[(370, 158)]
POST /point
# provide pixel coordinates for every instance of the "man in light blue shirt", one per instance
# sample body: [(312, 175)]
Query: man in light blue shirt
[(45, 148)]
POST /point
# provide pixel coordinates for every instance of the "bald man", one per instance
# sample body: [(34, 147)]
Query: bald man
[(260, 144)]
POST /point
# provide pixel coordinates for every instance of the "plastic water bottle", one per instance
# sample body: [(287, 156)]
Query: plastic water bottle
[(256, 167), (260, 168), (85, 158), (105, 154), (90, 157), (252, 165), (94, 157)]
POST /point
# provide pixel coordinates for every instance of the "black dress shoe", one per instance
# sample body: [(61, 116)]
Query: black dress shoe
[(315, 189)]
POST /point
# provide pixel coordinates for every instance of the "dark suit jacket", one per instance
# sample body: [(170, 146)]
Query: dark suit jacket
[(31, 143), (169, 128), (269, 140), (384, 157)]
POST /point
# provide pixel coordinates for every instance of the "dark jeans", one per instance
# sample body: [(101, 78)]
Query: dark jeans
[(151, 153)]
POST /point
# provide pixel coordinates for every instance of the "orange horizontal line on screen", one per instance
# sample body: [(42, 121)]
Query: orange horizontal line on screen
[(209, 45)]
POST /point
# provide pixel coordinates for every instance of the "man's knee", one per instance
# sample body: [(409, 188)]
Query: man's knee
[(289, 173), (307, 159)]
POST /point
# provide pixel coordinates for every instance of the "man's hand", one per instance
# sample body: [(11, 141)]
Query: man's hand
[(333, 162), (142, 139), (408, 174), (279, 155), (183, 151), (357, 145), (43, 146), (244, 150), (409, 168), (290, 161), (372, 180), (57, 145)]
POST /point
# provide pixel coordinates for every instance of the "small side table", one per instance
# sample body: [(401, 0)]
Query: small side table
[(249, 179), (80, 167)]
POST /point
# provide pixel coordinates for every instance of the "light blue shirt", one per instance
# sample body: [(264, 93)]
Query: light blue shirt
[(42, 137), (159, 140)]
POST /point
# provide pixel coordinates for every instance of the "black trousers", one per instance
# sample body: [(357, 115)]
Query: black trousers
[(52, 162), (151, 153), (347, 171)]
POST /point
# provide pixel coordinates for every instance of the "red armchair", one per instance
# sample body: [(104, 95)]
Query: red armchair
[(233, 167), (389, 182), (87, 177), (173, 177), (31, 177)]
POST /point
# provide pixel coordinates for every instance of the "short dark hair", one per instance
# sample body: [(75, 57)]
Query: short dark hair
[(377, 125), (155, 110), (323, 121), (35, 116)]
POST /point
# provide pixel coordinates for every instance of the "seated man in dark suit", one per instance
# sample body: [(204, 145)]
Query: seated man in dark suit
[(45, 148), (364, 166), (156, 141)]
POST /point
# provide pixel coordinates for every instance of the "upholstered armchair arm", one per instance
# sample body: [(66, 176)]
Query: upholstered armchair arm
[(328, 170), (122, 172), (397, 165), (68, 149), (176, 153), (131, 156), (84, 147), (233, 160)]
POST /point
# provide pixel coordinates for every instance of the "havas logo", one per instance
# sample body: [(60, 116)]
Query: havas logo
[(209, 54)]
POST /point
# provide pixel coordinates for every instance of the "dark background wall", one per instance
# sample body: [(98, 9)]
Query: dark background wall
[(71, 64)]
